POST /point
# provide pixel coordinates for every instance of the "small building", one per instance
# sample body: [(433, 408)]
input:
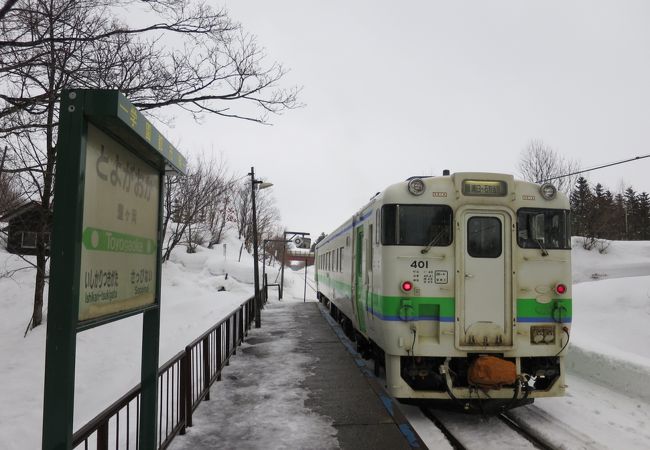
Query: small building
[(24, 223)]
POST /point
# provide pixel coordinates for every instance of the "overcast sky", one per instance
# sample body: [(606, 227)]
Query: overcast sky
[(394, 89)]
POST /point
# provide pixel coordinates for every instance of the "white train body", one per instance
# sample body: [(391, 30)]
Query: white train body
[(488, 262)]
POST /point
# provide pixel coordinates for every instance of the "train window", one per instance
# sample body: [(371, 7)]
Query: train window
[(544, 228), (377, 227), (484, 237), (341, 249), (369, 249), (416, 225)]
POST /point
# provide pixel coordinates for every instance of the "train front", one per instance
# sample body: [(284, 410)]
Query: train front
[(476, 289)]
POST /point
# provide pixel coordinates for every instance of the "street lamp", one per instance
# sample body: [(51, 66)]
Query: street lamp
[(256, 273)]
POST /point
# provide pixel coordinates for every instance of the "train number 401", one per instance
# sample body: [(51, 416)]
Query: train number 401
[(420, 264)]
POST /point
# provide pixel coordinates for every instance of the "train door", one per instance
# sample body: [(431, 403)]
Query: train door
[(486, 295), (359, 275)]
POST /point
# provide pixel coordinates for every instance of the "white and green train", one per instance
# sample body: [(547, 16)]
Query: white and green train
[(458, 285)]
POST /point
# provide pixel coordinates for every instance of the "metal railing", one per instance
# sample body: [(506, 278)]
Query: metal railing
[(183, 382)]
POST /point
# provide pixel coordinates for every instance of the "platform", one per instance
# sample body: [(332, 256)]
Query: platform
[(298, 383)]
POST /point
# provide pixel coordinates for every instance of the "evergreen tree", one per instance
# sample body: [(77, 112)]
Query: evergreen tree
[(582, 201), (631, 214), (620, 215), (643, 200), (600, 212)]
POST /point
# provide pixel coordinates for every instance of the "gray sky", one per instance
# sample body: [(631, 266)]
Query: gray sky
[(394, 89)]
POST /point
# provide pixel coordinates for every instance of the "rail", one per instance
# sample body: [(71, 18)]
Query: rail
[(183, 382)]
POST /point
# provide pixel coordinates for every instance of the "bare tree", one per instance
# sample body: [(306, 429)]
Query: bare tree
[(539, 163), (183, 54), (268, 216), (188, 200)]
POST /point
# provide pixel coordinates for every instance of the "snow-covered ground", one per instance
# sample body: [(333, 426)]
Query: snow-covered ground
[(609, 359)]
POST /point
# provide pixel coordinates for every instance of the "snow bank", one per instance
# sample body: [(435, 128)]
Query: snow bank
[(619, 259), (623, 371), (611, 311)]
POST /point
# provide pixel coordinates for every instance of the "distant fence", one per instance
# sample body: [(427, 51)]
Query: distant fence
[(183, 382)]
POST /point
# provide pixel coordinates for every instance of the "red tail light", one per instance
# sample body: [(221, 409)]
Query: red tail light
[(560, 288), (407, 286)]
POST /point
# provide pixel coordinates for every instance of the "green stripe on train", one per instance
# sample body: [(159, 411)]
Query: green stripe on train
[(396, 306)]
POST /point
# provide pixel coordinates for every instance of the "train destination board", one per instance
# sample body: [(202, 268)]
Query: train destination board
[(482, 188), (120, 223)]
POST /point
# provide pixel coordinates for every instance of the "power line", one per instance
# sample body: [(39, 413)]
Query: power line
[(594, 168)]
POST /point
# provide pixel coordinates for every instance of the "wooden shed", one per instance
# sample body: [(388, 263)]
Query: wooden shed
[(25, 223)]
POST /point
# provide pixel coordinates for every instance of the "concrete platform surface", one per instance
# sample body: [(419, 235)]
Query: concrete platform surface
[(298, 383)]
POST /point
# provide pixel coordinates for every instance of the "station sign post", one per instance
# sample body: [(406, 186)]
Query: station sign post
[(106, 245)]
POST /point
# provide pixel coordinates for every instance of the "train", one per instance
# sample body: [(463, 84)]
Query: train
[(457, 286)]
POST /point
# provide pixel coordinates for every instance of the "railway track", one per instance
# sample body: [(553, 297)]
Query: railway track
[(468, 432)]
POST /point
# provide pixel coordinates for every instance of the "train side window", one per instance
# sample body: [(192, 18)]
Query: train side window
[(484, 238), (341, 249), (389, 225), (369, 252), (377, 225)]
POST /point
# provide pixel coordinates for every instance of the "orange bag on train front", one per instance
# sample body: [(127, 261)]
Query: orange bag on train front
[(491, 372)]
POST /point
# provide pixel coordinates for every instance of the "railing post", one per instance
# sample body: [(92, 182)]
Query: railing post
[(206, 366), (266, 288), (228, 341), (187, 382), (219, 353), (249, 311), (233, 318), (241, 324), (182, 393), (102, 436)]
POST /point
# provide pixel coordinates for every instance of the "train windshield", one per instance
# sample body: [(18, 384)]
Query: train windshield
[(544, 228), (425, 225)]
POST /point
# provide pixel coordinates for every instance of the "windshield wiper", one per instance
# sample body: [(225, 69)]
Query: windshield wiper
[(433, 242), (541, 246)]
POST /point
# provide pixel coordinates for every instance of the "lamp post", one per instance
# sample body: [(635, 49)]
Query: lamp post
[(256, 273)]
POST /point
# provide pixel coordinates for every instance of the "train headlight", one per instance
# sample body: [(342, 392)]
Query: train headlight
[(416, 186), (548, 191), (407, 286)]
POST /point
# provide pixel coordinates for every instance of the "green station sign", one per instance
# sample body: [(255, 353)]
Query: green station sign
[(120, 229), (106, 244)]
